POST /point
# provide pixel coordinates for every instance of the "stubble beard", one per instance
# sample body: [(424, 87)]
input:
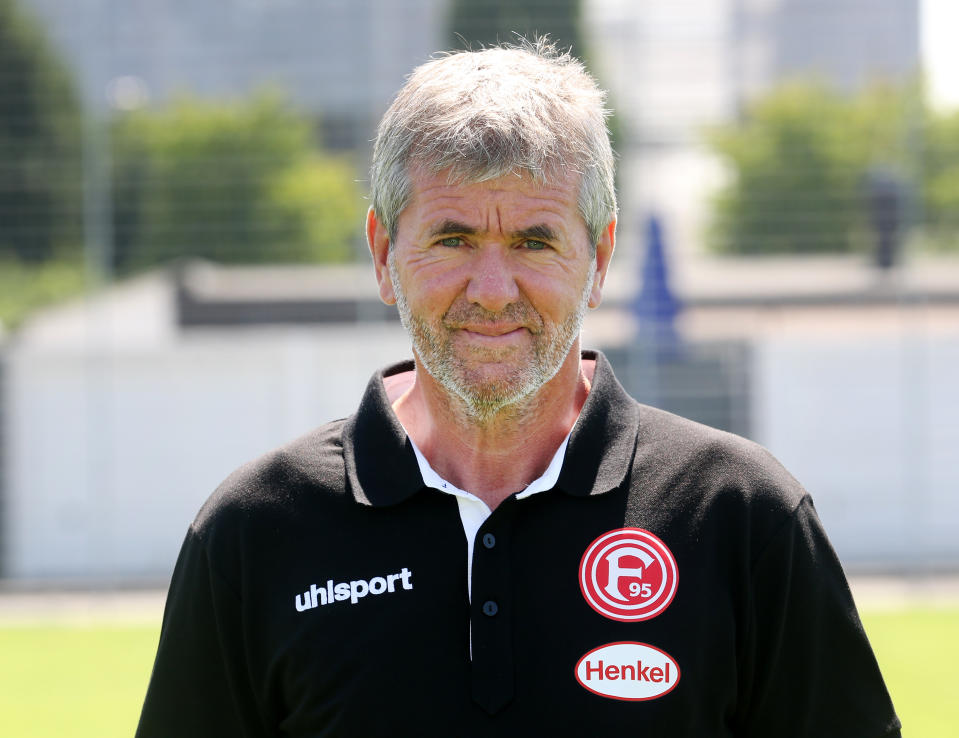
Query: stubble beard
[(484, 398)]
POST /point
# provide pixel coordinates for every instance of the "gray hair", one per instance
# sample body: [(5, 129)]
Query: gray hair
[(517, 109)]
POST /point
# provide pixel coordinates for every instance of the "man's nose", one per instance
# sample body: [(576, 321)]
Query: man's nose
[(492, 284)]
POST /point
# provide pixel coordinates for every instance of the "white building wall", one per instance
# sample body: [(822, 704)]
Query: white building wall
[(110, 456), (870, 428)]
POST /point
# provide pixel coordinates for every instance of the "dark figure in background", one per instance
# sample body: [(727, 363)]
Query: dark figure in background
[(500, 541), (885, 194)]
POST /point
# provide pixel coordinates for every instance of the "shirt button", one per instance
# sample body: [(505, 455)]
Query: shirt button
[(489, 540), (490, 608)]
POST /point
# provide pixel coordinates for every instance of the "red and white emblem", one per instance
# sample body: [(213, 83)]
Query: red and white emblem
[(628, 574)]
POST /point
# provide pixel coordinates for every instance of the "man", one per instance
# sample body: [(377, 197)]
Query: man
[(500, 542)]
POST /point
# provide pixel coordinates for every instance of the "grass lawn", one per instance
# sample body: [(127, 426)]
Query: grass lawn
[(918, 650), (88, 681), (59, 681)]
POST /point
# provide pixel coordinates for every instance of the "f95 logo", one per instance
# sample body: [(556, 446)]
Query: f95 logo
[(628, 574)]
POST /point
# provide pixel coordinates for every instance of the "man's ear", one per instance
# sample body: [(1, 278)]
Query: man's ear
[(379, 242), (604, 254)]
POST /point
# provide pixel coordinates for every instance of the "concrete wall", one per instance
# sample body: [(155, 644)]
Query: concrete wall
[(110, 455), (871, 429)]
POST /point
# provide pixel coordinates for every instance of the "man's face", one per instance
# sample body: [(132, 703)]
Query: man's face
[(492, 281)]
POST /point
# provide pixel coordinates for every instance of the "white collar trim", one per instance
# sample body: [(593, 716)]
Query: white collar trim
[(547, 481)]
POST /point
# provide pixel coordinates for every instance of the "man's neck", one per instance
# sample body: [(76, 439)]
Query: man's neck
[(502, 455)]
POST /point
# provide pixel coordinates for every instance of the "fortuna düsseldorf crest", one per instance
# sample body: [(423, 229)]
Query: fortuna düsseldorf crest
[(628, 574)]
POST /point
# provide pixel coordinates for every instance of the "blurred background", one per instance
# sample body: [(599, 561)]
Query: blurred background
[(184, 282)]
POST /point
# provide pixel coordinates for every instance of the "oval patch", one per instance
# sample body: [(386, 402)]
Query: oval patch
[(628, 671)]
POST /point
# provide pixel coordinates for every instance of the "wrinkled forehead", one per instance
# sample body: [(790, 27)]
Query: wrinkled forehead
[(427, 176), (519, 199)]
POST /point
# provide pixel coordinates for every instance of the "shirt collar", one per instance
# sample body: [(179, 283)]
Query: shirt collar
[(542, 483), (381, 465)]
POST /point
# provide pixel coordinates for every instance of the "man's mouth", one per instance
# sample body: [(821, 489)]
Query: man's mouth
[(492, 335), (492, 330)]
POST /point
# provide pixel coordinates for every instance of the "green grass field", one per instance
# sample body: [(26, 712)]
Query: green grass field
[(88, 681), (918, 650), (59, 681)]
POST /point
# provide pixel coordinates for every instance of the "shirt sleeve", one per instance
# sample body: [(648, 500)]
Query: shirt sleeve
[(200, 686), (808, 667)]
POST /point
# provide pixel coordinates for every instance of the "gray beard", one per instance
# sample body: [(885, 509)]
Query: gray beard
[(484, 401)]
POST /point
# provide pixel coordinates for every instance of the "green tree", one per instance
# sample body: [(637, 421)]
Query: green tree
[(940, 183), (801, 163), (39, 144), (25, 287), (475, 23), (240, 182)]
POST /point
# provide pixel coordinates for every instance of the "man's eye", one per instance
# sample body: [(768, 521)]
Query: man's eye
[(533, 245), (451, 242)]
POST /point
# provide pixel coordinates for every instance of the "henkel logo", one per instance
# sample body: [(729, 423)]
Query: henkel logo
[(628, 574), (628, 671)]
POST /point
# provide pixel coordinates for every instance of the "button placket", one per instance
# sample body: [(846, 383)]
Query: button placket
[(491, 624)]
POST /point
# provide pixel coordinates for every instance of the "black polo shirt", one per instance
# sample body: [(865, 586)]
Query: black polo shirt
[(675, 582)]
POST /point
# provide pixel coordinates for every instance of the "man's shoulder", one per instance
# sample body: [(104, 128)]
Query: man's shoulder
[(307, 470), (678, 453)]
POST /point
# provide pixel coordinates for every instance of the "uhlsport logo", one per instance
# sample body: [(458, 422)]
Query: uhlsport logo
[(628, 574), (628, 671), (352, 591)]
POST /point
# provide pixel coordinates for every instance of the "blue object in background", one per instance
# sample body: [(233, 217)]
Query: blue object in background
[(656, 307)]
